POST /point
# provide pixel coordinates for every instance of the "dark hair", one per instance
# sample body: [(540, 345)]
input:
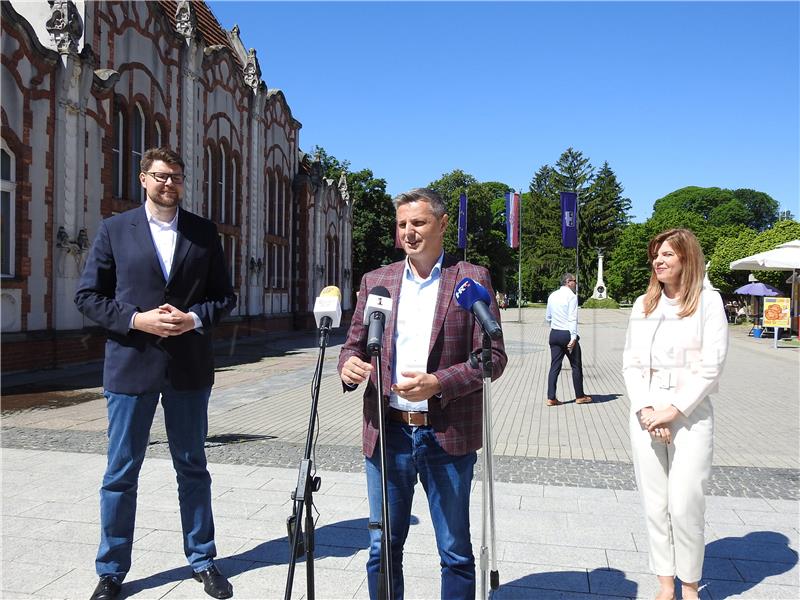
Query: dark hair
[(425, 195), (164, 154)]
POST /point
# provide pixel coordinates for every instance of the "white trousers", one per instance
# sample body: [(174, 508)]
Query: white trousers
[(672, 480)]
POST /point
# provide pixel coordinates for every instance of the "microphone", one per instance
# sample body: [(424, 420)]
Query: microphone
[(472, 296), (328, 307), (378, 307)]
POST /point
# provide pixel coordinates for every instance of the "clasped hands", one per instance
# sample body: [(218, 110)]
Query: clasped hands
[(415, 387), (164, 321), (657, 421)]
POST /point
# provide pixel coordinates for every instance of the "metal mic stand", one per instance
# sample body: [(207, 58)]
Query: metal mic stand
[(385, 587), (306, 485), (487, 483)]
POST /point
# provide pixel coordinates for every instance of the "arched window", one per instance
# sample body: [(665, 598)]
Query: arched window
[(271, 201), (137, 150), (234, 183), (209, 180), (158, 136), (221, 187), (116, 150), (8, 234)]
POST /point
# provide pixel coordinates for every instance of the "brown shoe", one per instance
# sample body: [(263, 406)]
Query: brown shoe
[(553, 402), (583, 400)]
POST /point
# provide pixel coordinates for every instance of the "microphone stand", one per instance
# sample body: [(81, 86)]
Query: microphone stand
[(487, 483), (302, 496), (386, 584)]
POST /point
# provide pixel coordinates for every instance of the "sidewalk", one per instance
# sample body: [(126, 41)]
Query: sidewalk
[(569, 523)]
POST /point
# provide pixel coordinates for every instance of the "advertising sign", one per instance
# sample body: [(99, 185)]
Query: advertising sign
[(776, 312)]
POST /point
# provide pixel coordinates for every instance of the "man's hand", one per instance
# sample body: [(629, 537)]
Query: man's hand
[(355, 371), (571, 345), (417, 386), (164, 321)]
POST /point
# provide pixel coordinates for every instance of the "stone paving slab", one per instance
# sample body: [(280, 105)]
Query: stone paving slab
[(550, 542)]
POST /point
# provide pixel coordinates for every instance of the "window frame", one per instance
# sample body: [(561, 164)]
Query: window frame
[(10, 186)]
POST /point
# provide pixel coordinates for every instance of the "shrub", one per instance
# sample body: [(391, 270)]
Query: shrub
[(598, 303)]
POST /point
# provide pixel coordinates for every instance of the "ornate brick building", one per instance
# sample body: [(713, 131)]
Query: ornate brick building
[(86, 88)]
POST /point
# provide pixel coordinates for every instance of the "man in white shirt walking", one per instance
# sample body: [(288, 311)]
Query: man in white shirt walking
[(562, 314)]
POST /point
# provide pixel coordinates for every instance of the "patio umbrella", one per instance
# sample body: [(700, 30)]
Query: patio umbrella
[(756, 288), (783, 258)]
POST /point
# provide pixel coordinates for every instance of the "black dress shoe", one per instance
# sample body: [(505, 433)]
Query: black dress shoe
[(215, 583), (107, 589)]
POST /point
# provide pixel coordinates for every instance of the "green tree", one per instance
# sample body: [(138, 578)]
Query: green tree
[(728, 249), (544, 259), (485, 229), (762, 207), (604, 215), (373, 215), (374, 223)]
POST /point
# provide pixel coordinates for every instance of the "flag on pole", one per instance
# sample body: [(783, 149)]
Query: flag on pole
[(569, 219), (512, 219), (462, 221)]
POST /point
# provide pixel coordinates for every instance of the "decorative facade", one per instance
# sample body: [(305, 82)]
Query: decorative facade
[(86, 88)]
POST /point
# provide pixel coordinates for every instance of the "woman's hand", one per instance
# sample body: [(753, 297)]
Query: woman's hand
[(659, 419), (655, 422)]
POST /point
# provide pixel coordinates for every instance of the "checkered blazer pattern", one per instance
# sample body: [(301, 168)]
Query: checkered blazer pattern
[(457, 417)]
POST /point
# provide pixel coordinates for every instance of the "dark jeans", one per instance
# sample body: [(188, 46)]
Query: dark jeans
[(129, 421), (413, 452), (558, 348)]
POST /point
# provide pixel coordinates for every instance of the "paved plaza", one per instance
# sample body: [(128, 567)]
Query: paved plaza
[(569, 521)]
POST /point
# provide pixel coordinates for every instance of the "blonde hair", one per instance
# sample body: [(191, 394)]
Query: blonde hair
[(689, 252)]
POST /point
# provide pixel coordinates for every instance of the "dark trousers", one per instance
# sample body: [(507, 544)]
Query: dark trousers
[(558, 348)]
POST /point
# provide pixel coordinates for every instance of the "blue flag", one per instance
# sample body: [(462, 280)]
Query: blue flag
[(462, 221), (512, 219), (569, 219)]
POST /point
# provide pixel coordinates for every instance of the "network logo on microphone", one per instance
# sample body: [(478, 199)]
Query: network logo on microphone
[(475, 298)]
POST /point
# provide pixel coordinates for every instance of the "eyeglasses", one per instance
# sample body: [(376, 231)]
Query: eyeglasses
[(177, 178)]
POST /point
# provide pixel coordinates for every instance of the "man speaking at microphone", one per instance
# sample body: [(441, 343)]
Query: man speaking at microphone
[(434, 419)]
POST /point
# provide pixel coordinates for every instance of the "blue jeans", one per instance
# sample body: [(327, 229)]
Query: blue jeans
[(129, 420), (413, 452)]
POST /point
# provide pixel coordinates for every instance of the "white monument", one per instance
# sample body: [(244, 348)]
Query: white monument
[(600, 287)]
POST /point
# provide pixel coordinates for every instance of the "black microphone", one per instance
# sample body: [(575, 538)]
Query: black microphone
[(472, 296), (378, 307)]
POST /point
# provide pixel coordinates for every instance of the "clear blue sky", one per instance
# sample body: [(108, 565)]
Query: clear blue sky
[(670, 94)]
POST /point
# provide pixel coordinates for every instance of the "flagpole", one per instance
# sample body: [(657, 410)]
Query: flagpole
[(577, 236), (519, 263)]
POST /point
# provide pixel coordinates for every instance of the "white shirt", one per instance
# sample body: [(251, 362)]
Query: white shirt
[(412, 334), (165, 237), (562, 311)]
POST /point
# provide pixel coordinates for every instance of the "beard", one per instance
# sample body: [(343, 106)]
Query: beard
[(164, 198)]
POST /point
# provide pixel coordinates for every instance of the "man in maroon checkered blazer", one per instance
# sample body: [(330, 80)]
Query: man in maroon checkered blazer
[(432, 394)]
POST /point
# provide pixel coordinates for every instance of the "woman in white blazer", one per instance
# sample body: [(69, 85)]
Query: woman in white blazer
[(674, 352)]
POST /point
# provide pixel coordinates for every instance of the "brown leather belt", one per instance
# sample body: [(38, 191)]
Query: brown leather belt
[(417, 419)]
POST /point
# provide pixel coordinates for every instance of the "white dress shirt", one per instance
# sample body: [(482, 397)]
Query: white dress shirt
[(412, 334), (165, 236), (562, 311)]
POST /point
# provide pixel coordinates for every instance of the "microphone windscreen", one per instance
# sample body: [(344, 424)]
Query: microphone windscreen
[(331, 290), (379, 290), (469, 291), (329, 304), (378, 300)]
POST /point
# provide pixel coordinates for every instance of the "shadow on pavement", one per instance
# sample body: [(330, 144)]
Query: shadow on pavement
[(605, 582), (341, 539), (734, 565)]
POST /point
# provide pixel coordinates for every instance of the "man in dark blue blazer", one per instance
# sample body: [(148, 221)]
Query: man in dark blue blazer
[(156, 279)]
